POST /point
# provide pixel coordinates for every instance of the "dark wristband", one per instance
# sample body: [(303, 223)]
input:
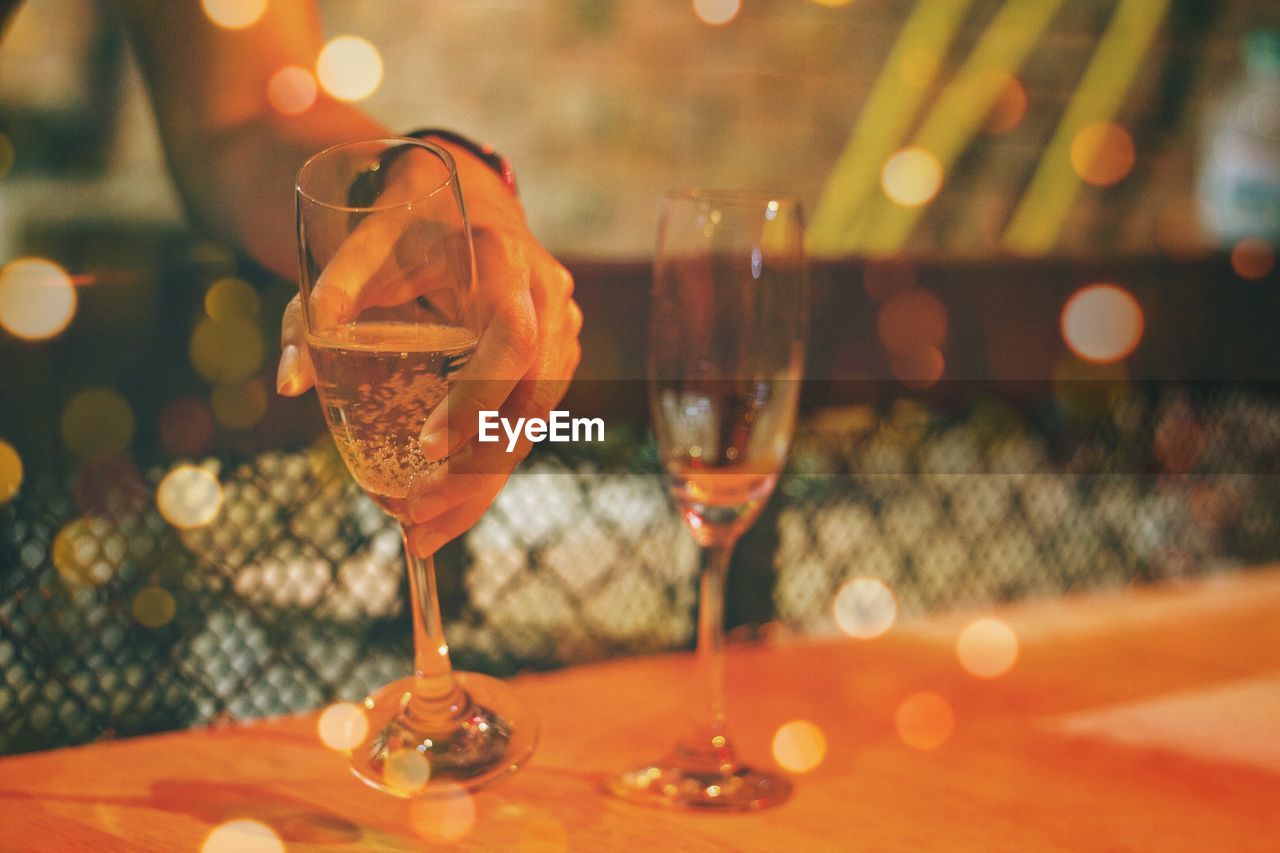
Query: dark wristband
[(501, 165), (368, 185)]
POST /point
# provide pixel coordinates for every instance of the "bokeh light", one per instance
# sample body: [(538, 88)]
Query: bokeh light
[(189, 497), (405, 771), (1252, 258), (883, 277), (911, 177), (240, 406), (87, 551), (243, 836), (10, 471), (230, 297), (343, 726), (154, 607), (1102, 323), (919, 368), (186, 426), (349, 68), (227, 351), (109, 486), (1102, 153), (97, 422), (292, 90), (445, 817), (1009, 107), (37, 299), (234, 14), (716, 13), (911, 320), (987, 648), (924, 720), (799, 746), (918, 68), (864, 608)]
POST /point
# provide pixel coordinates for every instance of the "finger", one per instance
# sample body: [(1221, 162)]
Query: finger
[(352, 276), (469, 468), (426, 539), (505, 352), (295, 373)]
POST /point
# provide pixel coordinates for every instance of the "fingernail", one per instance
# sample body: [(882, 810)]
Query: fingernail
[(427, 507), (286, 374), (435, 444)]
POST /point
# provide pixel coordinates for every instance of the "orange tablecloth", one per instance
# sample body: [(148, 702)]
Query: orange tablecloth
[(1138, 720)]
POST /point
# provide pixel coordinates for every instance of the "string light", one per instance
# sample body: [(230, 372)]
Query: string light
[(987, 648), (1102, 153), (189, 497), (230, 297), (154, 607), (96, 423), (1102, 323), (865, 608), (37, 299), (1010, 106), (234, 14), (1253, 259), (349, 68), (446, 816), (10, 472), (343, 726), (239, 406), (716, 13), (405, 771), (924, 721), (911, 320), (87, 551), (292, 90), (911, 177), (799, 746), (243, 836), (228, 351)]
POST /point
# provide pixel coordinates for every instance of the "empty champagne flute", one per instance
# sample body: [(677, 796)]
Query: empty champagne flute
[(726, 351), (387, 290)]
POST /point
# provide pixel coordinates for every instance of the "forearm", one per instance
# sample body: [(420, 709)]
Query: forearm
[(238, 182), (233, 157)]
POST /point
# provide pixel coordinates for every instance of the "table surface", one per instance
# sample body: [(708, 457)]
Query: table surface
[(1145, 719)]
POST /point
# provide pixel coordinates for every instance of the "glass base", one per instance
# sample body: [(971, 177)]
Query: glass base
[(743, 789), (488, 733)]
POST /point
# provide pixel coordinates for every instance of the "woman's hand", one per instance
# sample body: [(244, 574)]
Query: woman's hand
[(527, 352)]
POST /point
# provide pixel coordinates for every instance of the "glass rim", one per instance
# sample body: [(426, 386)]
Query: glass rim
[(731, 196), (442, 153)]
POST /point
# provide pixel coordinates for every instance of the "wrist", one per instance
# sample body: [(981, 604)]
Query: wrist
[(468, 151)]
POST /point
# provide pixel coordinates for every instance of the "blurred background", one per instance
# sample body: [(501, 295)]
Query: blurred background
[(1043, 356)]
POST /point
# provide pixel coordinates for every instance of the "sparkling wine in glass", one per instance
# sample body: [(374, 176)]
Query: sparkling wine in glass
[(387, 286), (726, 352)]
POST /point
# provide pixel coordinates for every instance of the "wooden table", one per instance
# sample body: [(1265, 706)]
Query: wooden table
[(1137, 720)]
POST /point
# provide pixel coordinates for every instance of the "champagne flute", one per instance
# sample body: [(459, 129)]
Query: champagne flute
[(387, 290), (726, 350)]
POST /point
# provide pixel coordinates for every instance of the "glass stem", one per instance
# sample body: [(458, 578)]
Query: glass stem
[(706, 749), (438, 701)]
